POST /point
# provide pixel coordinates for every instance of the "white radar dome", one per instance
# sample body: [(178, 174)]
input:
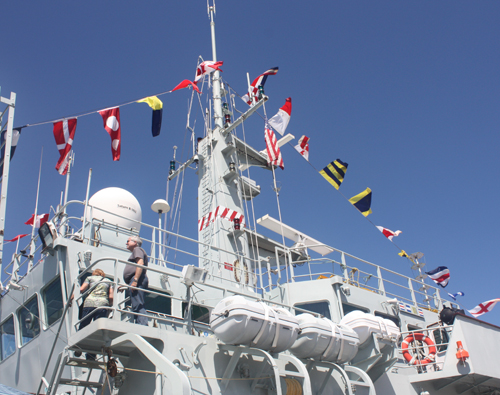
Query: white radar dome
[(117, 203)]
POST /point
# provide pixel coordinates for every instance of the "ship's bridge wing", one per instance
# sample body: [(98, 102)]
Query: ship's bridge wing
[(300, 239)]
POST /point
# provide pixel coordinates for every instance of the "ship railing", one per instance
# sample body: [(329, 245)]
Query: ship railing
[(419, 348), (169, 248), (119, 309), (366, 275)]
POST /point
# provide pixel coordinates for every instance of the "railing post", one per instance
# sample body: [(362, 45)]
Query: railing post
[(410, 286), (381, 287), (344, 266)]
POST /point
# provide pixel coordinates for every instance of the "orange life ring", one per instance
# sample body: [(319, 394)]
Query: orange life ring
[(420, 337)]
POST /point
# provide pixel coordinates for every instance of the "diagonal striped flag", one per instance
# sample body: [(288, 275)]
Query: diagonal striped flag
[(260, 80), (64, 134), (273, 150), (362, 201), (334, 173)]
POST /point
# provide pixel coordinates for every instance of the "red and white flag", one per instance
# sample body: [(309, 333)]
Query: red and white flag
[(303, 147), (280, 121), (484, 307), (40, 220), (185, 84), (64, 133), (111, 118), (16, 238), (273, 150), (206, 67), (254, 88), (389, 233)]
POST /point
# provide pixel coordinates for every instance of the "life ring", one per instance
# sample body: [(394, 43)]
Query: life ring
[(416, 361)]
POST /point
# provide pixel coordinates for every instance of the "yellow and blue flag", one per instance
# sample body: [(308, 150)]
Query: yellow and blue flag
[(157, 106), (363, 201), (334, 173)]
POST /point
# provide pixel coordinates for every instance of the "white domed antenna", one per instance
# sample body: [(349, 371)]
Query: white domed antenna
[(159, 206)]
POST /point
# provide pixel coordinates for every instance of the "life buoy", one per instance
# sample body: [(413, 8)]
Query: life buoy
[(416, 361)]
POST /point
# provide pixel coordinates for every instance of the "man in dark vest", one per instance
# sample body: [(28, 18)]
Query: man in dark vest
[(136, 277)]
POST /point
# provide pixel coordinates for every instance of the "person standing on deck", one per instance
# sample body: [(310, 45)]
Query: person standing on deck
[(136, 277)]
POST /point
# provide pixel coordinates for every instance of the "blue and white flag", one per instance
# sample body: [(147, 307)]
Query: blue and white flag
[(15, 138), (454, 296), (440, 275)]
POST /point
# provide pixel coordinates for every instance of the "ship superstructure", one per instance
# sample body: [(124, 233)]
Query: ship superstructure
[(234, 312)]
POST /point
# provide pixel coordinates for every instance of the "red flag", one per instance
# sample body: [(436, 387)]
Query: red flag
[(40, 220), (206, 67), (64, 133), (388, 233), (273, 150), (16, 238), (303, 147), (280, 121), (111, 118), (185, 84)]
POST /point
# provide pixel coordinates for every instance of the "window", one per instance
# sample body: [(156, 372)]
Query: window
[(350, 307), (198, 313), (53, 301), (392, 318), (28, 320), (322, 308), (8, 340), (158, 304)]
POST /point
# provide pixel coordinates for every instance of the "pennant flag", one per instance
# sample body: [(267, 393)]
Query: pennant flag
[(111, 118), (16, 133), (64, 133), (40, 220), (363, 201), (389, 233), (260, 80), (206, 67), (440, 275), (280, 121), (454, 296), (185, 84), (16, 238), (334, 173), (157, 106), (273, 150), (303, 147), (484, 307), (403, 254)]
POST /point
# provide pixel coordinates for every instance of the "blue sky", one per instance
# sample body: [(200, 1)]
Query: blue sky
[(406, 93)]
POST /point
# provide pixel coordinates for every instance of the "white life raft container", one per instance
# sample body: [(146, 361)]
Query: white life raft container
[(322, 339), (236, 320), (364, 324)]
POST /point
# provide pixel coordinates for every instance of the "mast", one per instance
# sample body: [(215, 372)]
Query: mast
[(224, 248)]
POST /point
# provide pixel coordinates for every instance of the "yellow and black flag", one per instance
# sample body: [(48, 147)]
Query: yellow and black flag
[(363, 201), (334, 173), (157, 106)]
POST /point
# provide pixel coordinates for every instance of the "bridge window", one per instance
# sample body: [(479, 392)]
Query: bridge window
[(350, 307), (29, 322), (322, 308), (198, 313), (8, 338), (161, 304), (53, 301), (392, 318)]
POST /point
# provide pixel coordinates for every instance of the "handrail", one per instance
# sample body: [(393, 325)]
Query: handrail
[(66, 308)]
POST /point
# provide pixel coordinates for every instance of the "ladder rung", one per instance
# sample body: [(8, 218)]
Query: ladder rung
[(84, 363), (79, 383)]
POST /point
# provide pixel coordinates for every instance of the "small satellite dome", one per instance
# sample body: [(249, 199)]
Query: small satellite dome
[(117, 203)]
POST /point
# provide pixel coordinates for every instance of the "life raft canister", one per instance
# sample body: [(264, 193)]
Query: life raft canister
[(420, 337)]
